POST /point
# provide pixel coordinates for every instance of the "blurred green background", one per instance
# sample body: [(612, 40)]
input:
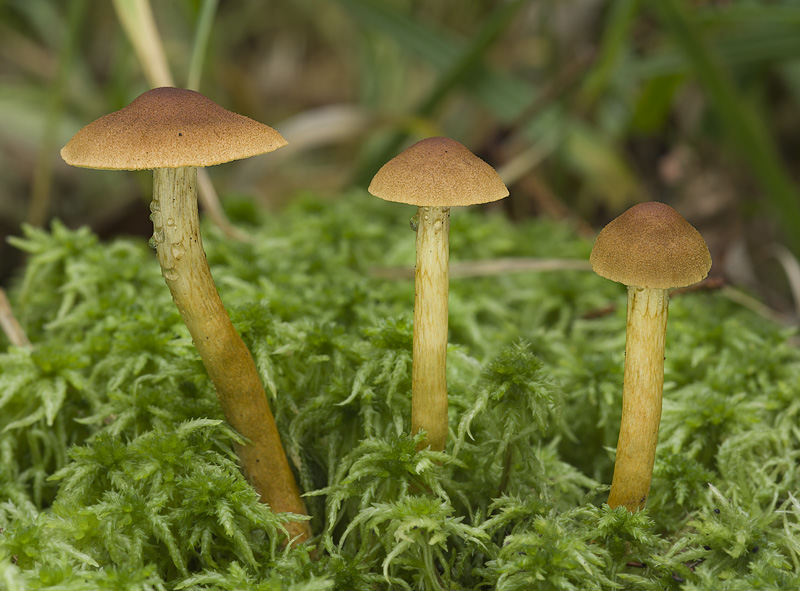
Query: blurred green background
[(584, 106)]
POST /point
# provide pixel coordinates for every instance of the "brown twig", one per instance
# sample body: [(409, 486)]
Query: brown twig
[(557, 87), (11, 327), (739, 297), (488, 267), (747, 301), (791, 267)]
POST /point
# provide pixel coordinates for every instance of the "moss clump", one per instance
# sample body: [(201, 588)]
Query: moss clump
[(117, 472)]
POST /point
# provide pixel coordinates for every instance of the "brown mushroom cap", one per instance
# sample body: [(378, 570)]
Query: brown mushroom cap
[(169, 128), (437, 172), (651, 245)]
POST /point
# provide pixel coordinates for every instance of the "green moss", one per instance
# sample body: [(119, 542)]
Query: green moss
[(117, 472)]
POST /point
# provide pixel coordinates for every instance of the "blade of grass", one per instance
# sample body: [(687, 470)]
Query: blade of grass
[(750, 136), (136, 18), (137, 21), (616, 35), (744, 13), (43, 172), (745, 45), (458, 72), (201, 36), (504, 96), (10, 325), (512, 101), (471, 56), (528, 111)]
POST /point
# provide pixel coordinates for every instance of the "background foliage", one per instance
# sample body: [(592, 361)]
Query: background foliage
[(585, 107), (118, 472)]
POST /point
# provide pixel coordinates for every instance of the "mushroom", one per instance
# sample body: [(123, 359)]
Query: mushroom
[(649, 248), (173, 131), (434, 174)]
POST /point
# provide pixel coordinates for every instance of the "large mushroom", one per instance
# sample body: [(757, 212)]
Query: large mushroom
[(173, 131), (650, 248), (434, 174)]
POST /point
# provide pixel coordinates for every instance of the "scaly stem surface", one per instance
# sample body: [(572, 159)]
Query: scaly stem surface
[(227, 360), (641, 397), (428, 376)]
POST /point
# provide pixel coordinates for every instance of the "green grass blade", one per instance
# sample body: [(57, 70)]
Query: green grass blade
[(43, 173), (616, 37), (504, 96), (201, 35), (461, 70)]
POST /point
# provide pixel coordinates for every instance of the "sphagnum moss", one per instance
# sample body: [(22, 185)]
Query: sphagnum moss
[(148, 484)]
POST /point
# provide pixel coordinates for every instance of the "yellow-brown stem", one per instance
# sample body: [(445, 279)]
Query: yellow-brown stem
[(428, 375), (641, 397), (227, 360)]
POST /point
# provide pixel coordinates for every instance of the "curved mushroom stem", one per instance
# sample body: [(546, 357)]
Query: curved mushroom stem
[(428, 374), (226, 358), (641, 397)]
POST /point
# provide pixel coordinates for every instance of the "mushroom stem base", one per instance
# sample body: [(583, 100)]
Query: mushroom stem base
[(428, 374), (226, 358), (641, 397)]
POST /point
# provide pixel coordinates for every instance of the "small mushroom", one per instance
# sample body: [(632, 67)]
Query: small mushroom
[(434, 174), (649, 248), (173, 131)]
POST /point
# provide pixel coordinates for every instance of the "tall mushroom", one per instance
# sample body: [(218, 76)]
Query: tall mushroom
[(173, 131), (649, 248), (434, 174)]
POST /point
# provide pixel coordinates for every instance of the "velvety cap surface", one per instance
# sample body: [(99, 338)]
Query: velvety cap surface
[(437, 171), (651, 245), (169, 128)]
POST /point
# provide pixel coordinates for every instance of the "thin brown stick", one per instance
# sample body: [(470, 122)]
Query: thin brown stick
[(791, 267), (460, 270), (10, 325), (745, 300), (212, 206)]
